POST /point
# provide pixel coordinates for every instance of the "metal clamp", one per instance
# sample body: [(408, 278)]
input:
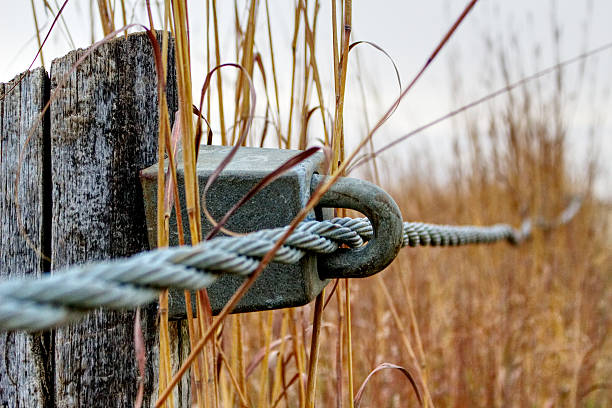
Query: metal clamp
[(386, 221), (280, 285)]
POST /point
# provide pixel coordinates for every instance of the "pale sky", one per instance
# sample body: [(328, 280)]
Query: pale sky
[(408, 31)]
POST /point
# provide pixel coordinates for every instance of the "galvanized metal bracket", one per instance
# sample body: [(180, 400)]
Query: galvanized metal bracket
[(280, 285)]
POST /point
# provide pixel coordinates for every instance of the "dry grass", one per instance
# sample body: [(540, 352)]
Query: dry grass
[(492, 326), (499, 326)]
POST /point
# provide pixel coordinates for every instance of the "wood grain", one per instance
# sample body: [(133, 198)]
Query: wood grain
[(104, 126), (26, 367)]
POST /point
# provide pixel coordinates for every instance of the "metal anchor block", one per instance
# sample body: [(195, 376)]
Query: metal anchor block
[(280, 285)]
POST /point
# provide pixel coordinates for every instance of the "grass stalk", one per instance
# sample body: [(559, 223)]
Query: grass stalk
[(315, 345), (242, 99), (185, 98), (219, 82), (279, 370), (303, 141), (414, 323), (349, 340), (310, 41), (339, 348), (239, 353), (62, 20), (36, 27), (165, 370), (274, 77), (335, 55), (266, 330), (230, 372), (208, 65), (106, 17), (164, 347), (296, 28), (338, 133), (183, 68), (124, 17), (404, 335), (298, 355)]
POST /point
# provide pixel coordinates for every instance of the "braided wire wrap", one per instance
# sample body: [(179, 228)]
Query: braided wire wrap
[(33, 304), (421, 234)]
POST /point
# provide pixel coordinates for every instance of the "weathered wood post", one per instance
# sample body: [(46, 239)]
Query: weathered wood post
[(104, 127), (26, 369), (80, 200)]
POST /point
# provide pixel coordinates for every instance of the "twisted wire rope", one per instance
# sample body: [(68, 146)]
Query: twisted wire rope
[(62, 297)]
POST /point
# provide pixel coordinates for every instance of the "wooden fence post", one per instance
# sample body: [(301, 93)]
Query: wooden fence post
[(80, 200), (26, 369), (104, 126)]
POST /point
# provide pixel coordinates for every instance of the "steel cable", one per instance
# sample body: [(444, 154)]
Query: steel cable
[(56, 299)]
